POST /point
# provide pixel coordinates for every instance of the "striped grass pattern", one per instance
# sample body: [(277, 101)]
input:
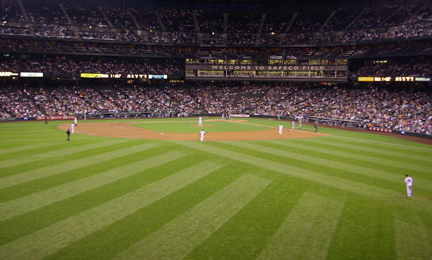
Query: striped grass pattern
[(340, 196)]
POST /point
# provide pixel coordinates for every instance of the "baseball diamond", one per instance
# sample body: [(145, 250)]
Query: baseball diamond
[(239, 194), (216, 130)]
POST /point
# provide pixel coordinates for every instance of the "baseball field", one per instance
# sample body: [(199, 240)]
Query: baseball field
[(149, 189)]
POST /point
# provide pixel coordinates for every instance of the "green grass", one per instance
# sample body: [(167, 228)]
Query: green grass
[(340, 196), (190, 126)]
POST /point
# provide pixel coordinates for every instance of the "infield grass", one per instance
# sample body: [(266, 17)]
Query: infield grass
[(190, 125), (340, 196)]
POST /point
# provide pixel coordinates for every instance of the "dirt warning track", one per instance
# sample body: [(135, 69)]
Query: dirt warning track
[(127, 130)]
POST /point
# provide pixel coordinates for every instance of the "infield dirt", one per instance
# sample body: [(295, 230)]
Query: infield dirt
[(127, 130)]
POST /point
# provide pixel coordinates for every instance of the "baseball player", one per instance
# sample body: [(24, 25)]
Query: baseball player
[(409, 182), (201, 134), (223, 116), (299, 125), (200, 121), (68, 134), (75, 120), (72, 128), (292, 125), (280, 129)]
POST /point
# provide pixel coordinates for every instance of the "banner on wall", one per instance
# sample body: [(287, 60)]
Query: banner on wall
[(7, 74), (379, 129), (55, 118), (239, 115), (94, 75), (31, 74), (369, 79)]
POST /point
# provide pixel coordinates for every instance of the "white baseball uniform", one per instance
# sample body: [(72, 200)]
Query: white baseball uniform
[(280, 129), (202, 133), (199, 120), (75, 120), (409, 182), (72, 128), (300, 125), (293, 125)]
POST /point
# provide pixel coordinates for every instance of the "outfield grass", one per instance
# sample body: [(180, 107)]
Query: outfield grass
[(340, 196)]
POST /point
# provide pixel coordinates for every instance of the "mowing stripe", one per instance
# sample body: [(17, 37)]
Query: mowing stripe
[(27, 147), (37, 200), (339, 183), (193, 227), (372, 159), (412, 241), (61, 152), (71, 165), (382, 143), (333, 164), (307, 231), (57, 236), (368, 149)]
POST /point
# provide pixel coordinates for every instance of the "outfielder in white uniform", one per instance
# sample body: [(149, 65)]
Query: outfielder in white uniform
[(72, 128), (293, 125), (202, 133), (280, 129), (199, 121), (409, 182)]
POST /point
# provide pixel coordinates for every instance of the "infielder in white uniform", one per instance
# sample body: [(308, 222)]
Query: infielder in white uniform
[(199, 121), (293, 125), (72, 128), (202, 133), (75, 121), (409, 182), (280, 129)]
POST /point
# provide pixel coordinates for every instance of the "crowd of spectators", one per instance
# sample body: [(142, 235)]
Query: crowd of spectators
[(119, 17), (373, 16), (171, 26), (86, 16), (241, 39), (46, 14), (146, 19), (394, 69), (130, 36), (97, 33), (390, 107), (210, 22), (243, 23), (276, 23), (73, 65), (10, 12), (177, 20), (53, 30), (309, 22), (15, 31), (340, 20), (305, 38)]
